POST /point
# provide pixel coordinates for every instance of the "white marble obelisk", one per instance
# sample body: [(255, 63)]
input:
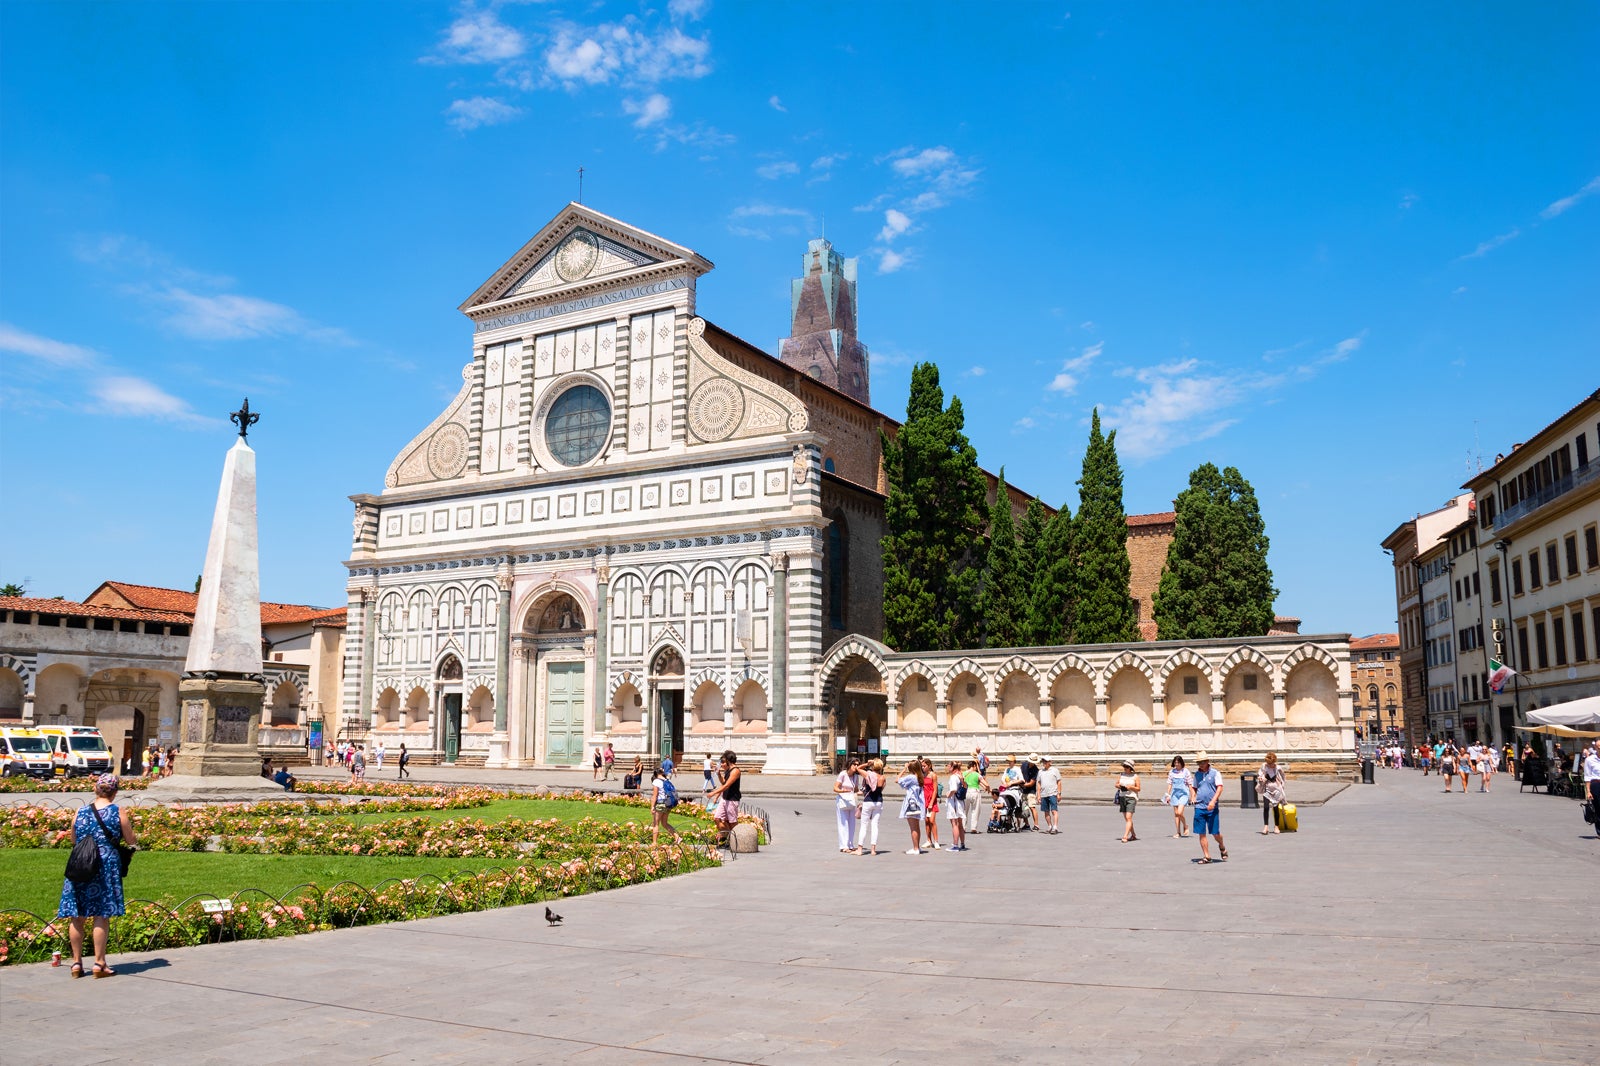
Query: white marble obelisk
[(222, 691), (226, 637)]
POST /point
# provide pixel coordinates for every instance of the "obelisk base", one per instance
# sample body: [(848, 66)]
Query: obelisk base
[(221, 723)]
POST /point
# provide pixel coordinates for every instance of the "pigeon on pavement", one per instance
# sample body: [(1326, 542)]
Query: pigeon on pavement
[(552, 917)]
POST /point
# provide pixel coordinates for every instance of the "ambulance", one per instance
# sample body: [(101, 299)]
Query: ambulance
[(76, 750), (25, 752)]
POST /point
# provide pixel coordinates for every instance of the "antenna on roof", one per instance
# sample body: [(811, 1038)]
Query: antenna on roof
[(824, 227), (580, 185)]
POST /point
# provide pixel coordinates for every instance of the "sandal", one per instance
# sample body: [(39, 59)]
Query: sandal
[(77, 970), (1224, 854), (1205, 860), (103, 970)]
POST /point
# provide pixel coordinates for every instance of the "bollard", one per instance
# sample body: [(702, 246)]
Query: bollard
[(1247, 791), (1369, 775)]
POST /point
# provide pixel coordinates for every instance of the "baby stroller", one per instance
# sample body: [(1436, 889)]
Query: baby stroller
[(1008, 815)]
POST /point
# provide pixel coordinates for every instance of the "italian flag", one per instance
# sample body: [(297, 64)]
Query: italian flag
[(1499, 674)]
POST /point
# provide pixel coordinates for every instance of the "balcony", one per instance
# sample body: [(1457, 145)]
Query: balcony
[(1526, 506)]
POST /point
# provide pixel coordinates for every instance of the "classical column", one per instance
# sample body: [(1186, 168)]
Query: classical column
[(941, 714), (780, 641), (991, 713), (602, 585), (499, 743), (1046, 712), (369, 607), (892, 715)]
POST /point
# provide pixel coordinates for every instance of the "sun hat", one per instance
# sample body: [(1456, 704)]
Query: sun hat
[(1201, 756), (1128, 763), (1033, 757)]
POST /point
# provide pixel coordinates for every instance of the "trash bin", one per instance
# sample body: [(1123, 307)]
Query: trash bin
[(1369, 776), (1247, 791)]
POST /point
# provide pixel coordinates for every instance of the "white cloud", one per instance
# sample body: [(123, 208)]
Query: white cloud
[(1072, 371), (828, 162), (54, 352), (1408, 201), (136, 397), (1493, 242), (895, 224), (624, 52), (776, 104), (922, 162), (976, 371), (479, 37), (1175, 407), (231, 316), (780, 169), (1345, 348), (1566, 203), (687, 10), (890, 260), (693, 135), (647, 112), (743, 221), (480, 111)]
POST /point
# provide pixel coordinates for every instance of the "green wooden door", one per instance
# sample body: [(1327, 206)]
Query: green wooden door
[(452, 726), (564, 708)]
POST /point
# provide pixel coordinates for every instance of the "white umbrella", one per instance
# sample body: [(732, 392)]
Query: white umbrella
[(1560, 731), (1573, 713)]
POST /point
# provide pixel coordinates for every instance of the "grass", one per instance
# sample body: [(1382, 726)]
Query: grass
[(30, 878), (499, 810)]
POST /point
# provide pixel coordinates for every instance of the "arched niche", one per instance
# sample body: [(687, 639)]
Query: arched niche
[(479, 716), (627, 709), (1073, 694), (968, 703), (1247, 695), (1188, 703), (750, 708), (1311, 695), (708, 707), (917, 701), (1019, 702), (555, 615), (1129, 700)]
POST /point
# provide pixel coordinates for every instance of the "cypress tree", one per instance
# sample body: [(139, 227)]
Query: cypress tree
[(1051, 611), (1029, 533), (1103, 611), (1005, 599), (1217, 583), (933, 550)]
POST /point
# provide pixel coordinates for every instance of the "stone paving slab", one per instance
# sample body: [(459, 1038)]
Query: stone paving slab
[(1400, 926)]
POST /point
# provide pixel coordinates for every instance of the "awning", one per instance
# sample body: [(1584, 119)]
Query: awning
[(1572, 713), (1560, 731)]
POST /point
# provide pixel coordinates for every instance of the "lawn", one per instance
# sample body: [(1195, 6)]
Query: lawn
[(30, 879), (499, 810)]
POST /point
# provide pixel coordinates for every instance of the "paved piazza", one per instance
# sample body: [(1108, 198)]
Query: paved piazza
[(1399, 926)]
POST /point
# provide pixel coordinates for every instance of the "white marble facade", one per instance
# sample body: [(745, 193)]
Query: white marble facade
[(611, 533)]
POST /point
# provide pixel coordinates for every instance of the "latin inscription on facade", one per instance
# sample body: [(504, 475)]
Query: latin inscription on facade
[(534, 314)]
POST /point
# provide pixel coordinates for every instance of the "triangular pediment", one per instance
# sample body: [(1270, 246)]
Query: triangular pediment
[(577, 249)]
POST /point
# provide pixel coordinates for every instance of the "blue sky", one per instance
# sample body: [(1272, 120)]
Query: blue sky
[(1347, 248)]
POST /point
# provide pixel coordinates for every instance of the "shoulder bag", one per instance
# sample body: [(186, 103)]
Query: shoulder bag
[(124, 851), (83, 865)]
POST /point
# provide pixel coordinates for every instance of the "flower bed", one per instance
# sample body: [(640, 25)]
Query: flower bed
[(149, 926)]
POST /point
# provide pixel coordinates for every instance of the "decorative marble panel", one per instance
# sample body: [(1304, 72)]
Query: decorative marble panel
[(649, 496), (391, 526), (777, 481), (541, 509), (489, 515), (463, 517), (513, 512), (711, 490), (622, 500), (567, 505), (594, 503), (680, 493), (744, 486), (419, 522), (441, 520)]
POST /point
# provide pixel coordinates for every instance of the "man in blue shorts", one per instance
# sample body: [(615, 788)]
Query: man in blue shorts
[(1207, 819)]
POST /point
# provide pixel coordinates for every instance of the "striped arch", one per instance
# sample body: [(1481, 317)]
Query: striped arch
[(1308, 651), (1102, 684), (704, 675), (22, 669), (1243, 655), (915, 668), (1015, 665), (1065, 663), (854, 646), (626, 677), (966, 666), (1186, 657), (278, 677)]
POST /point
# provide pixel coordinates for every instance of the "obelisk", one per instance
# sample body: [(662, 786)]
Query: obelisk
[(222, 691)]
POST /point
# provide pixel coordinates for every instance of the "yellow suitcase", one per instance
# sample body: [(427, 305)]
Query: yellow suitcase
[(1288, 818)]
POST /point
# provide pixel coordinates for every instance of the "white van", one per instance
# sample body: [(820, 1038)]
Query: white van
[(25, 752), (77, 750)]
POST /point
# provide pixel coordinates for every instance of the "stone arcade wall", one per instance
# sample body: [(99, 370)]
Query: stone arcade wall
[(1091, 706)]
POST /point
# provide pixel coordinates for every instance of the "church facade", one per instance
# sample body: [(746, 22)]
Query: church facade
[(630, 526)]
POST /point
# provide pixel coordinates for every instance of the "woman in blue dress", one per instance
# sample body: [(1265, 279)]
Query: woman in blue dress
[(1180, 793), (100, 899)]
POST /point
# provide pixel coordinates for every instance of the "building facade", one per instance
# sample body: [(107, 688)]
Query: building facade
[(1406, 545), (1438, 641), (114, 661), (631, 527), (1537, 513)]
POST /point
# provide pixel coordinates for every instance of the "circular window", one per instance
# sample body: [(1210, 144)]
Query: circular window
[(578, 425)]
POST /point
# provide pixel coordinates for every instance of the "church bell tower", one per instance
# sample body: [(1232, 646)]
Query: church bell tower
[(822, 332)]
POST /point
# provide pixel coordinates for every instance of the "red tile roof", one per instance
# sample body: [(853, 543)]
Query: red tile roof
[(29, 604), (1375, 642), (152, 598), (1159, 518)]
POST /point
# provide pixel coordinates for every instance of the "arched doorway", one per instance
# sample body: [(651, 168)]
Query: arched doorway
[(855, 697), (666, 678), (448, 679), (554, 631)]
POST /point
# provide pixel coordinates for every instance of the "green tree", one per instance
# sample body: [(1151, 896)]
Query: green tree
[(1029, 533), (1050, 608), (1217, 584), (1005, 595), (11, 588), (1103, 611), (933, 550)]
